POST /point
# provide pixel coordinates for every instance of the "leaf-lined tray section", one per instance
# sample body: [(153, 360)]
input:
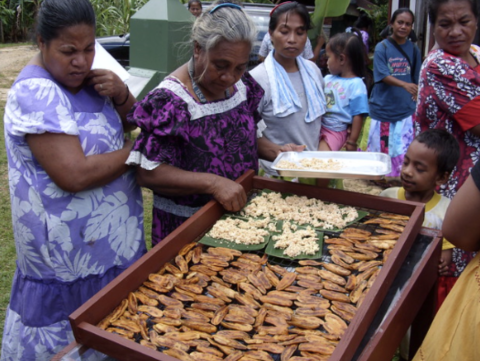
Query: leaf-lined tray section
[(302, 210), (279, 252), (361, 215), (209, 240)]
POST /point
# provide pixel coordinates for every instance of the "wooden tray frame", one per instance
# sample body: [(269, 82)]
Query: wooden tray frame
[(84, 319)]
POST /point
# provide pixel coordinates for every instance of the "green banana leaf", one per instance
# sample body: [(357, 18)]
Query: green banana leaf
[(327, 8)]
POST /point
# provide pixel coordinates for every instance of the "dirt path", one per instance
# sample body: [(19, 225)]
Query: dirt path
[(12, 60)]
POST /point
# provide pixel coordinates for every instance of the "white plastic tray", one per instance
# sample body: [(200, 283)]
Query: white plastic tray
[(358, 165)]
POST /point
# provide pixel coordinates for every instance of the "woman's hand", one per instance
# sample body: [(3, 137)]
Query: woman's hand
[(290, 147), (108, 84), (445, 260), (412, 89), (229, 194), (269, 151)]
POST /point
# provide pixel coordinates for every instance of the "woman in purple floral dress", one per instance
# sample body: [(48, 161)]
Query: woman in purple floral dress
[(199, 126), (76, 209)]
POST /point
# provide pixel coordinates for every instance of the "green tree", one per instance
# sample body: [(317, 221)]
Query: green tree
[(378, 12)]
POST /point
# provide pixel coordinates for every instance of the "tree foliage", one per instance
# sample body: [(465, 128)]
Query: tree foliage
[(378, 12)]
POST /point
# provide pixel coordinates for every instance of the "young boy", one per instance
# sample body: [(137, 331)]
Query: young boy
[(429, 160), (428, 163)]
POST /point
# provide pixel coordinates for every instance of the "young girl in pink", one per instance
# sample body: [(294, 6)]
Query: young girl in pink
[(345, 92)]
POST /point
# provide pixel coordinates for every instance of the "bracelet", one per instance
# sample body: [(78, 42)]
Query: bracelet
[(351, 143), (122, 103)]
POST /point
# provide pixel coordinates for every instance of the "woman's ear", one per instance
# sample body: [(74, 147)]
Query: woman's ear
[(196, 50), (40, 42)]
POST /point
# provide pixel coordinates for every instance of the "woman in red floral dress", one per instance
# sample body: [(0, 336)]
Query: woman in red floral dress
[(449, 97)]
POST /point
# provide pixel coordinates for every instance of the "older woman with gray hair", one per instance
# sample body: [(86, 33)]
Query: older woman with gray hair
[(199, 126)]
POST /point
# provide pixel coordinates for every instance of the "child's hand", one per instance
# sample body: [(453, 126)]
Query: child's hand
[(351, 146), (445, 260)]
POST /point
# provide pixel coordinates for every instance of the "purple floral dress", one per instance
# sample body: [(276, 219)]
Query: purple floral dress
[(69, 245), (216, 137)]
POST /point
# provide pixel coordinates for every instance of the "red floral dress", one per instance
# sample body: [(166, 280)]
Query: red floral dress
[(449, 98)]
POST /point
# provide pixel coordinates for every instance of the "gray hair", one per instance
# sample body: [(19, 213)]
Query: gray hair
[(229, 24)]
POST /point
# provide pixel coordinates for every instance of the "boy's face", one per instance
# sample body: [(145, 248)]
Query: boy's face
[(419, 169)]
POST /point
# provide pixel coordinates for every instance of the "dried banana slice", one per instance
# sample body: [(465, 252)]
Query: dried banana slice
[(364, 256), (311, 311), (334, 325), (209, 350), (229, 342), (150, 310), (310, 323), (260, 318), (342, 256), (330, 276), (393, 227), (334, 296), (310, 285), (288, 352), (200, 326), (357, 292), (185, 249), (276, 301), (237, 326), (228, 253), (236, 318), (347, 316), (121, 332), (258, 355), (234, 356), (282, 294), (279, 270), (394, 216), (247, 300), (178, 354), (267, 346), (324, 348), (238, 335), (331, 286), (287, 280), (201, 356)]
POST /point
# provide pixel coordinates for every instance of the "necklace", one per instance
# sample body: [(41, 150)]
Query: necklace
[(195, 87)]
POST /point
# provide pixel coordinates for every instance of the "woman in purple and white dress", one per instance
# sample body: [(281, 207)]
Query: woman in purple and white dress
[(76, 208), (199, 126)]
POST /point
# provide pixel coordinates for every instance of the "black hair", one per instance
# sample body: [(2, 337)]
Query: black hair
[(350, 44), (445, 147), (434, 5), (191, 2), (363, 22), (401, 11), (56, 15), (291, 7)]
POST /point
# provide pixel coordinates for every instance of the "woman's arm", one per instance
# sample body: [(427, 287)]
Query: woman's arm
[(62, 157), (461, 226), (169, 180), (269, 151), (108, 84), (409, 87)]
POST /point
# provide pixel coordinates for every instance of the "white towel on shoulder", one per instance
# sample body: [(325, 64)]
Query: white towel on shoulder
[(284, 97)]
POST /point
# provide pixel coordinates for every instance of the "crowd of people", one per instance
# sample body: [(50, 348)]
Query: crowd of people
[(75, 179)]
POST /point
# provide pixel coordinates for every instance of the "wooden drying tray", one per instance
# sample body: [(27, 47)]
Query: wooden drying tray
[(85, 318)]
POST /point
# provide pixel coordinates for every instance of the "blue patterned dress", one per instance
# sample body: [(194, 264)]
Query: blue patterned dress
[(69, 245)]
